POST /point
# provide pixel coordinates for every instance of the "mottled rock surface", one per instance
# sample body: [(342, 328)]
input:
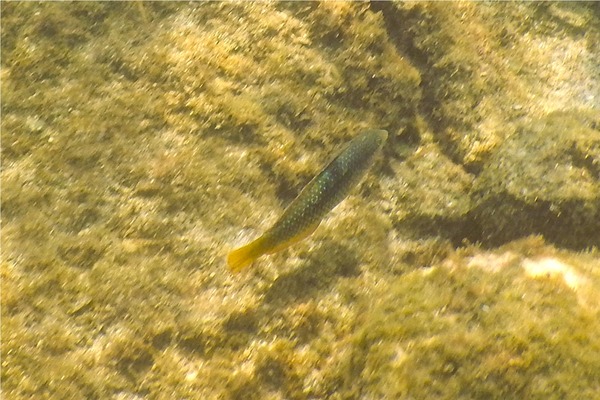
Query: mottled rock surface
[(544, 178), (492, 319), (143, 141)]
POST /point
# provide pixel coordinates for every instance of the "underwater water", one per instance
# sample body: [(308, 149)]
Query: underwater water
[(143, 142)]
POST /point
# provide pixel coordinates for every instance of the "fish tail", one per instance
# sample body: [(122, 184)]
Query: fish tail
[(240, 258)]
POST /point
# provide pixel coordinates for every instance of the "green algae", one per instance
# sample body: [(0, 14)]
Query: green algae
[(486, 331), (139, 139), (487, 67), (125, 153), (545, 178)]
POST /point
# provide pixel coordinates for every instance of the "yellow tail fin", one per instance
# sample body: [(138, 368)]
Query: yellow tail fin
[(240, 258)]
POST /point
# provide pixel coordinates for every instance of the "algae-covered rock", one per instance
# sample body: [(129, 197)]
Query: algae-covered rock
[(143, 141), (545, 178), (140, 142), (422, 200), (484, 326), (485, 66)]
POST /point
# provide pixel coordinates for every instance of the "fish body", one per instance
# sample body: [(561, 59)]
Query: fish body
[(318, 197)]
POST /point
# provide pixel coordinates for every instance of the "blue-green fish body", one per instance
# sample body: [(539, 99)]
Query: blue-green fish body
[(319, 197)]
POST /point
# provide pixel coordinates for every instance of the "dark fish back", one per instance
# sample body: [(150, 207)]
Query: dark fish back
[(330, 186)]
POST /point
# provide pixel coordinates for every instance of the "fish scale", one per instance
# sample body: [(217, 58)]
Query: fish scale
[(318, 197)]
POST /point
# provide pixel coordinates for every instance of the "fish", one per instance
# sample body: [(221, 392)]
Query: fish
[(319, 196)]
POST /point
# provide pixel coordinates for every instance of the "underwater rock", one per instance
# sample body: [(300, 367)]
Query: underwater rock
[(545, 179), (489, 325), (139, 138), (424, 202)]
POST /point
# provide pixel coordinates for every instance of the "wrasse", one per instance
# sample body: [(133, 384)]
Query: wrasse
[(320, 196)]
